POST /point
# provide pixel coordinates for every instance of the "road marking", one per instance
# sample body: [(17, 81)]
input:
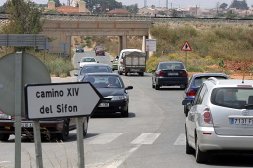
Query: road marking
[(146, 138), (104, 138), (116, 161), (180, 140)]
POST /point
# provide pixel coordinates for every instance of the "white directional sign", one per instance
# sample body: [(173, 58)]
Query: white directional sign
[(57, 100), (150, 44)]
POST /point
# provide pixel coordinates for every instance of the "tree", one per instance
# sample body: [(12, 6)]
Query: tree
[(102, 6), (24, 18), (223, 6), (132, 8)]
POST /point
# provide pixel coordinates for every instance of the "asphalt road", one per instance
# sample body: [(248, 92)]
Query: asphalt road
[(151, 137)]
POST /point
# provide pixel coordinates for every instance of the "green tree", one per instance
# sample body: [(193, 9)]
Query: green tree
[(102, 6), (24, 18), (132, 8)]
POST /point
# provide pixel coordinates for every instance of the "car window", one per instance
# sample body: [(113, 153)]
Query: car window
[(88, 60), (232, 97), (173, 65), (95, 69), (105, 81), (199, 80), (200, 95)]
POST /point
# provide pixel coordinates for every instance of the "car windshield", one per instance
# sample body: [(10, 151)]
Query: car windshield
[(94, 69), (105, 81), (232, 97), (174, 65), (88, 60)]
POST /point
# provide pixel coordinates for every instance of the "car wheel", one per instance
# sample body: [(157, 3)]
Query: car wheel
[(85, 126), (153, 86), (186, 111), (119, 72), (188, 148), (157, 87), (125, 113), (126, 73), (65, 131), (141, 73), (4, 137), (201, 157)]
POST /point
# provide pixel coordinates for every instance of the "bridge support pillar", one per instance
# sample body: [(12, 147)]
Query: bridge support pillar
[(122, 42), (144, 45)]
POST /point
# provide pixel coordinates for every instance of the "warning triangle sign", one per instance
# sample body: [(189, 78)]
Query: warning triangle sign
[(186, 47)]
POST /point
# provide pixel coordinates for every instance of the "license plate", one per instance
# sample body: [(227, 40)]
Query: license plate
[(27, 125), (242, 121), (173, 74), (103, 105)]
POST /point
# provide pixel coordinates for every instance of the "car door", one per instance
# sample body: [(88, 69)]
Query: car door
[(191, 120)]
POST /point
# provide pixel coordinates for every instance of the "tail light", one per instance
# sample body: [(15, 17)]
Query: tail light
[(207, 116), (184, 74), (191, 93), (161, 73)]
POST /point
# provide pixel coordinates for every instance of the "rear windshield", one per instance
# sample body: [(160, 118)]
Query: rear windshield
[(174, 65), (95, 69), (237, 98), (199, 80)]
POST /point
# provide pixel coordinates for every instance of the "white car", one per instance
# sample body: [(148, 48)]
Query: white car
[(87, 60), (220, 118)]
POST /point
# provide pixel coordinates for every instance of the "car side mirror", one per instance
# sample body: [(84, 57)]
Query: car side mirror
[(75, 74), (129, 87), (97, 61)]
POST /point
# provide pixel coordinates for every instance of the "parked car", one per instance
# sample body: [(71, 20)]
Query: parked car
[(113, 90), (93, 68), (115, 63), (195, 82), (131, 61), (87, 60), (221, 118), (79, 50), (50, 128), (171, 73)]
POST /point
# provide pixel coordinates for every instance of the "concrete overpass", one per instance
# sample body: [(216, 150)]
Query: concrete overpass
[(60, 28)]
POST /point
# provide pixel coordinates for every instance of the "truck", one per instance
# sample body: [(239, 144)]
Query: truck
[(131, 61)]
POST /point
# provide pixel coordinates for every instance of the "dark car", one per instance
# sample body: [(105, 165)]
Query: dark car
[(79, 50), (50, 128), (113, 90), (93, 68), (171, 73), (195, 82)]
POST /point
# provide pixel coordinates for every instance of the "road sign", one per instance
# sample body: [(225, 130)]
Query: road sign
[(33, 71), (57, 100), (150, 44), (186, 47)]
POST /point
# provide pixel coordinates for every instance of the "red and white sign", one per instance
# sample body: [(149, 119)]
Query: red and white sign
[(186, 47)]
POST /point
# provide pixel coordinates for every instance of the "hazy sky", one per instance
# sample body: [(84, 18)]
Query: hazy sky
[(162, 3)]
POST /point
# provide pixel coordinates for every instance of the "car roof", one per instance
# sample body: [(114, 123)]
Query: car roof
[(103, 74), (130, 49), (170, 62), (98, 64), (209, 74)]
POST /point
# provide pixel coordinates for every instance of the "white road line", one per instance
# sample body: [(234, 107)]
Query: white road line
[(180, 140), (104, 138), (146, 138), (116, 161)]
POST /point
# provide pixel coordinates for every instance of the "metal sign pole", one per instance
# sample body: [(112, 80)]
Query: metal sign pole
[(37, 141), (18, 107), (80, 149), (186, 59)]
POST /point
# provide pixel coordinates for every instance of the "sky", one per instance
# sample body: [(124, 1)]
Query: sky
[(162, 3)]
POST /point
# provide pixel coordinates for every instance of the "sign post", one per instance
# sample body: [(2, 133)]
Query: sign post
[(60, 100), (186, 47)]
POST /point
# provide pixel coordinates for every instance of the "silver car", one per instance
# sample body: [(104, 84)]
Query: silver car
[(220, 118)]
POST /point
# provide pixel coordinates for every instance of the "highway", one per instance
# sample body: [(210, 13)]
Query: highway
[(151, 137)]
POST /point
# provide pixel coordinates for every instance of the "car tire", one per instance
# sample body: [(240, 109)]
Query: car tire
[(85, 126), (186, 111), (4, 137), (65, 131), (153, 86), (141, 73), (125, 113), (157, 87), (201, 157), (126, 73), (188, 148), (119, 72)]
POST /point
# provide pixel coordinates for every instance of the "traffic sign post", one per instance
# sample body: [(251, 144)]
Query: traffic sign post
[(59, 100), (186, 47)]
